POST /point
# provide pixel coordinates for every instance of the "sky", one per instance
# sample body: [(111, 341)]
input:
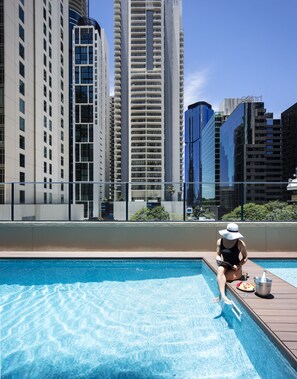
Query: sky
[(233, 48)]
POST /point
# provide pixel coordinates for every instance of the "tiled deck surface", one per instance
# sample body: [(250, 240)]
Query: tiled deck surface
[(278, 313)]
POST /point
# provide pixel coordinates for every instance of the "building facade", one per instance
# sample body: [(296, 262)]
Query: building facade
[(196, 117), (250, 152), (148, 96), (210, 157), (77, 10), (90, 115), (289, 129), (34, 101)]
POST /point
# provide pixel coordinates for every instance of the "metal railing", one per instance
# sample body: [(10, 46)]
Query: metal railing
[(147, 201)]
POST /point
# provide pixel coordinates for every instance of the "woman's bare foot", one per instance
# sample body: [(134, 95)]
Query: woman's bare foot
[(227, 301)]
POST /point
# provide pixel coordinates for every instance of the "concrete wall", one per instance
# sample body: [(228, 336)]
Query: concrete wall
[(143, 236), (40, 212)]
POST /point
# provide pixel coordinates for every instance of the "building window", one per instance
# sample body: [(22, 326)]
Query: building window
[(87, 113), (21, 32), (21, 51), (21, 69), (86, 74), (22, 87), (45, 167), (21, 14), (22, 160), (22, 178), (44, 182), (22, 142), (22, 123), (86, 36), (22, 197), (22, 106)]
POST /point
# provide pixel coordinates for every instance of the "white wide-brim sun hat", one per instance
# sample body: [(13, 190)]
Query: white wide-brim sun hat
[(231, 233)]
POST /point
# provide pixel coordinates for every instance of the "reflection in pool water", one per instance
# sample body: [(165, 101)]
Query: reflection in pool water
[(125, 319)]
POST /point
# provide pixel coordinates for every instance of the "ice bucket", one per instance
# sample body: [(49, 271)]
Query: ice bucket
[(263, 288)]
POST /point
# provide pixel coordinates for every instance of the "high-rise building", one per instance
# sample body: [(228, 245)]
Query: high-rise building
[(77, 10), (90, 114), (196, 117), (289, 128), (111, 149), (228, 105), (210, 157), (80, 7), (148, 95), (250, 141), (34, 101)]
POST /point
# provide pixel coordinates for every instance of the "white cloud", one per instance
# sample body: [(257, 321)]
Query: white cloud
[(194, 87)]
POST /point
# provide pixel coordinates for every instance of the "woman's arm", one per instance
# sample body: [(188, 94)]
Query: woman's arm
[(218, 252), (242, 248)]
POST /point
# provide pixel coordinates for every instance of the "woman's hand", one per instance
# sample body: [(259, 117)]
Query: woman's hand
[(236, 267)]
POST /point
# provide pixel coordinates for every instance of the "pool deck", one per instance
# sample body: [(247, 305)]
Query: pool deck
[(277, 313)]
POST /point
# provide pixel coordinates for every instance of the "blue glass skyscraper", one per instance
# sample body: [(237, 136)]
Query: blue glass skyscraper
[(196, 117), (210, 156), (250, 152)]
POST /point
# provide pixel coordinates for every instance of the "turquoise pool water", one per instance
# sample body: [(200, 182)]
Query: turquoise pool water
[(286, 269), (125, 319)]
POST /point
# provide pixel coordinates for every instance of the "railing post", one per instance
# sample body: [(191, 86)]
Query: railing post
[(241, 201), (12, 201), (69, 200), (184, 202), (127, 201)]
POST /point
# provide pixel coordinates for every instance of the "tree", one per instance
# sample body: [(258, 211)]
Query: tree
[(151, 214), (201, 212), (271, 211)]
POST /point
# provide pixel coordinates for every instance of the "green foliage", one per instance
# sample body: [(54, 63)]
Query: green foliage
[(272, 211), (153, 214), (198, 212)]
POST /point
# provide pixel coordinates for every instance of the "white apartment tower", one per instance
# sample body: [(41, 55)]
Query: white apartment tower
[(148, 96), (90, 114), (34, 100)]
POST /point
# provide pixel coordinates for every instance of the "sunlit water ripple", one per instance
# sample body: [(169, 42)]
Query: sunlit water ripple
[(161, 328)]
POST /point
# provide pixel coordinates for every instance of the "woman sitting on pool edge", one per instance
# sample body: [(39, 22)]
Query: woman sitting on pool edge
[(228, 250)]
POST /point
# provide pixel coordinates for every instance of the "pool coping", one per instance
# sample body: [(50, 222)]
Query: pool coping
[(268, 313)]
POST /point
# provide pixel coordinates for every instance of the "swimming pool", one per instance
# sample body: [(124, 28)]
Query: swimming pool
[(286, 269), (125, 319)]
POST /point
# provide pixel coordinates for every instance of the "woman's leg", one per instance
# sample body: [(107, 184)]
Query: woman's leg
[(233, 274), (222, 279)]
